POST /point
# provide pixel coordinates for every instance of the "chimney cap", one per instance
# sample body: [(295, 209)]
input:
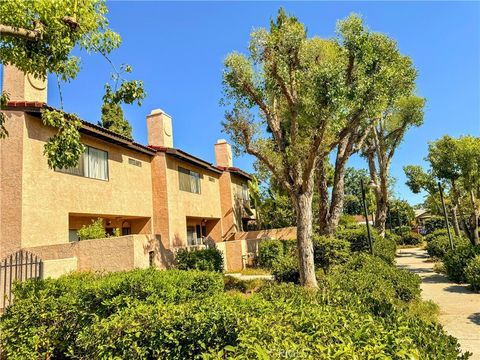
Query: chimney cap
[(158, 112), (222, 141)]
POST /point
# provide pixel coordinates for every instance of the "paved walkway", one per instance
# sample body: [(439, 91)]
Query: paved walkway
[(459, 307)]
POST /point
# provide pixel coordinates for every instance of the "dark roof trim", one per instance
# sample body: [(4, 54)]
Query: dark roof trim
[(237, 171), (88, 128), (182, 155)]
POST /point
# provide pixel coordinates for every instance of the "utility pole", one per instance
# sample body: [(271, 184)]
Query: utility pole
[(365, 210), (445, 215)]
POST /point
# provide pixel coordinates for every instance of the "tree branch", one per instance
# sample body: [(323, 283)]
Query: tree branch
[(21, 32)]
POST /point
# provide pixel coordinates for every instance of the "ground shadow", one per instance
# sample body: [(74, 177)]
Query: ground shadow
[(415, 270), (475, 318)]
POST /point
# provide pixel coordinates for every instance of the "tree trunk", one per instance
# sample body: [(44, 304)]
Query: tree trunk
[(456, 226), (456, 199), (324, 201), (303, 205)]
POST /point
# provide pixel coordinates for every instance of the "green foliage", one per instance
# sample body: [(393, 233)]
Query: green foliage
[(112, 119), (285, 269), (472, 272), (52, 318), (330, 251), (439, 245), (347, 221), (59, 29), (277, 210), (95, 230), (411, 239), (269, 251), (435, 223), (456, 261), (353, 194), (400, 212), (402, 230), (63, 150), (244, 286), (150, 314), (209, 259)]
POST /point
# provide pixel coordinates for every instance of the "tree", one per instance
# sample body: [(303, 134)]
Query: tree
[(384, 138), (400, 213), (377, 74), (353, 194), (112, 119), (457, 162), (38, 36), (284, 110)]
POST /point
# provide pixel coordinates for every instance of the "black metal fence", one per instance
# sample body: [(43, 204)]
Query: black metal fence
[(19, 266)]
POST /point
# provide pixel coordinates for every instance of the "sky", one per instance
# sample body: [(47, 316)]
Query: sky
[(178, 49)]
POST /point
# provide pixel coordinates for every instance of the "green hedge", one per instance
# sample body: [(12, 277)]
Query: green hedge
[(410, 238), (472, 272), (439, 245), (270, 251), (210, 259), (456, 260), (148, 314)]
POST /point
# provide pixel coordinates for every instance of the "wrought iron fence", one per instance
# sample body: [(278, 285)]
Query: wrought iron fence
[(19, 266)]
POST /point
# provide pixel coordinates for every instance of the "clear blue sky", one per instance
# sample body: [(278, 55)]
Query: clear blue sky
[(177, 49)]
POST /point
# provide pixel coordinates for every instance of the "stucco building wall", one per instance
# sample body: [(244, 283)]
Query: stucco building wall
[(49, 197)]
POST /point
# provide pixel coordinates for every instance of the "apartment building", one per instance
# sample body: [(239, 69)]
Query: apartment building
[(159, 196)]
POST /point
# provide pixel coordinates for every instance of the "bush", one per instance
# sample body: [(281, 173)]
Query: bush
[(411, 238), (456, 260), (348, 221), (472, 272), (47, 316), (402, 230), (436, 233), (390, 235), (439, 245), (330, 251), (95, 231), (209, 259), (268, 252), (285, 269), (185, 315), (434, 223), (244, 286)]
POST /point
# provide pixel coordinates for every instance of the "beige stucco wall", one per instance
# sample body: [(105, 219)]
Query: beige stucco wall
[(183, 204), (11, 173), (50, 196)]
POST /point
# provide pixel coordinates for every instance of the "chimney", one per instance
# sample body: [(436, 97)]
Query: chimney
[(223, 153), (159, 125), (23, 87)]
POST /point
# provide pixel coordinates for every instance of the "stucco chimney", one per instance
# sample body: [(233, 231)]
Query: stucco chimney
[(223, 153), (159, 125), (23, 87)]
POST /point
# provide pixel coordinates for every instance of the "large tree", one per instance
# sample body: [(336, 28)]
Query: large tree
[(457, 162), (385, 136), (293, 99), (38, 36), (377, 75)]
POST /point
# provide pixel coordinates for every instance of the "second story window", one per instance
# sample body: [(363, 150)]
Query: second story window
[(92, 164), (189, 180)]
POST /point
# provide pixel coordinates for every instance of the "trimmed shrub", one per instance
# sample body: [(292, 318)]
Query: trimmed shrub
[(330, 251), (439, 245), (456, 260), (436, 233), (402, 230), (472, 273), (411, 238), (285, 269), (385, 249), (48, 315), (348, 221), (269, 251), (244, 286), (173, 318), (209, 259), (434, 223), (390, 235)]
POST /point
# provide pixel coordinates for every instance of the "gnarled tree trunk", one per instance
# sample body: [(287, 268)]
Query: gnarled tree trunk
[(456, 226), (303, 206), (475, 215)]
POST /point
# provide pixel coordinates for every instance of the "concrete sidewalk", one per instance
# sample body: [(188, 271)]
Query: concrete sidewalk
[(459, 307)]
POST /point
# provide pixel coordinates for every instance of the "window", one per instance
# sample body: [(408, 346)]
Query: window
[(72, 235), (189, 180), (92, 164), (191, 235)]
